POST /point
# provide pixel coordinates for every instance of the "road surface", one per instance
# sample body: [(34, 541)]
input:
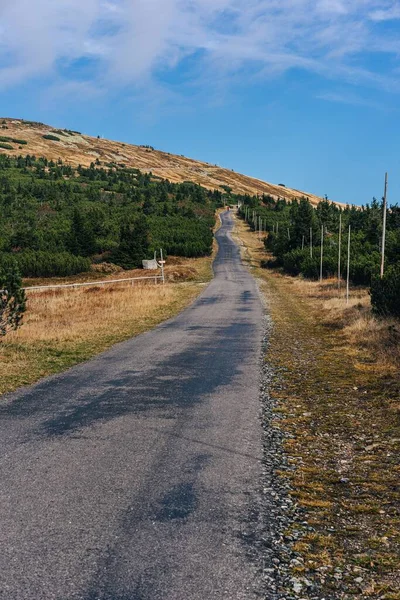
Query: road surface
[(133, 476)]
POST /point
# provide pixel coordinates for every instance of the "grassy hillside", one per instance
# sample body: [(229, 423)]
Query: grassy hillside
[(76, 149)]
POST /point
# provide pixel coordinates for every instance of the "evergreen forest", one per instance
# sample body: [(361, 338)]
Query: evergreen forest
[(56, 220), (298, 235)]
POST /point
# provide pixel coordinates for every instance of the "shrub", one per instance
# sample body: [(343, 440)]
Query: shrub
[(292, 261), (6, 146), (33, 263), (49, 136), (12, 298), (385, 293), (310, 267), (364, 268), (13, 140)]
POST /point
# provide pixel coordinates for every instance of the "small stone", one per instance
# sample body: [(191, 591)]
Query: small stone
[(297, 585)]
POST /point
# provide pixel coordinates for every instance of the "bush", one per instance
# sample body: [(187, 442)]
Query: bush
[(53, 138), (292, 261), (14, 140), (385, 293), (12, 298), (364, 268), (6, 146), (47, 264), (310, 267)]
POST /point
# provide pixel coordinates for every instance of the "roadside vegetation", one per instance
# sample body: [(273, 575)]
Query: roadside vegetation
[(336, 389), (56, 220), (296, 232), (62, 225), (63, 327)]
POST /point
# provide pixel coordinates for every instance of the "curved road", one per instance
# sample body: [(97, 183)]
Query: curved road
[(134, 476)]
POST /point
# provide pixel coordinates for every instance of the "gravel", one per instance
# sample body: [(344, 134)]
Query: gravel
[(279, 513)]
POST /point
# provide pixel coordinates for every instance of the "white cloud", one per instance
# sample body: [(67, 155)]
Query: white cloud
[(352, 99), (389, 13), (131, 41)]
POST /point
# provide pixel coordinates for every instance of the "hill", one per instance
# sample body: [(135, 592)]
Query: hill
[(74, 148)]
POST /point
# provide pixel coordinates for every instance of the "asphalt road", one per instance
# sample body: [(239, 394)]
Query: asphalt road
[(134, 475)]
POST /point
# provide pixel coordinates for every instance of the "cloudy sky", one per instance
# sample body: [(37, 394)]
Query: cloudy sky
[(302, 92)]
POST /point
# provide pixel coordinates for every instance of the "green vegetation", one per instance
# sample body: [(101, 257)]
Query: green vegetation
[(6, 146), (385, 292), (294, 238), (49, 136), (55, 220), (13, 140), (37, 263), (12, 299)]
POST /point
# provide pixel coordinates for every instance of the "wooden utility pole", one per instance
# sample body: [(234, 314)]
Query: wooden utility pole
[(348, 267), (311, 242), (322, 252), (384, 226), (339, 273), (302, 243)]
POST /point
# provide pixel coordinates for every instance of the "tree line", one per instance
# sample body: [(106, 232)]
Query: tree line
[(294, 232), (55, 219)]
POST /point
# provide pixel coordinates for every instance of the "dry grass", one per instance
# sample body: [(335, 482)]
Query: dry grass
[(64, 327), (83, 149), (64, 316), (337, 392), (371, 339)]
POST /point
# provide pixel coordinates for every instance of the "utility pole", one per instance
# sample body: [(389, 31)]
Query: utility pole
[(302, 243), (348, 267), (322, 253), (340, 251), (384, 226), (311, 243)]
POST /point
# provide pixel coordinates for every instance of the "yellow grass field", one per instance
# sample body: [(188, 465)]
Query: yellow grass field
[(65, 326)]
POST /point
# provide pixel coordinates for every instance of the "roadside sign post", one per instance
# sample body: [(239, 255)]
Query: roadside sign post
[(162, 263)]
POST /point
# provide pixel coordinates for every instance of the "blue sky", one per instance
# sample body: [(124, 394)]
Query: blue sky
[(301, 92)]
